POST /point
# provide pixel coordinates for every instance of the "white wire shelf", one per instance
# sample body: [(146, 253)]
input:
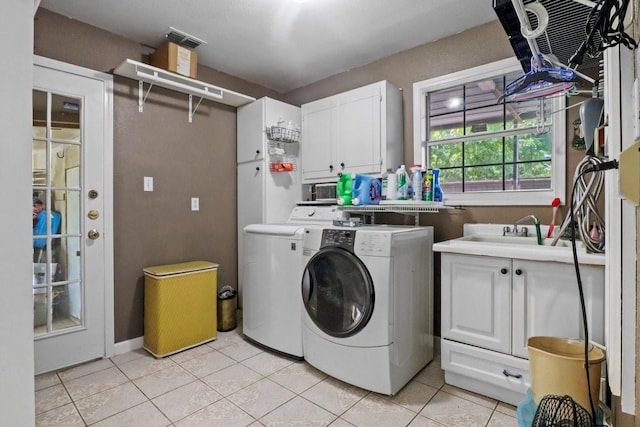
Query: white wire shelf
[(409, 206), (155, 76)]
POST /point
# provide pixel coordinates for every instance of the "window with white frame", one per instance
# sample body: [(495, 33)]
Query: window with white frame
[(490, 151)]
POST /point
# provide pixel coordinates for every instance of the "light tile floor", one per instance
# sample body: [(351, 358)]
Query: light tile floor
[(230, 382)]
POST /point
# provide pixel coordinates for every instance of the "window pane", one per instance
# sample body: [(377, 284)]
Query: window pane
[(69, 256), (446, 117), (451, 180), (531, 146), (445, 155), (529, 113), (485, 119), (39, 162), (39, 113), (446, 126), (529, 176), (65, 113), (483, 152), (483, 178), (64, 314)]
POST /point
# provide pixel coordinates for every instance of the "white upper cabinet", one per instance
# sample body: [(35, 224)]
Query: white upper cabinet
[(359, 131)]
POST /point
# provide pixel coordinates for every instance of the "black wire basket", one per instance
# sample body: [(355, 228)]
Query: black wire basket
[(561, 411)]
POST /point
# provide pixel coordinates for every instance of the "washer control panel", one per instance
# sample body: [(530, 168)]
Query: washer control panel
[(337, 237)]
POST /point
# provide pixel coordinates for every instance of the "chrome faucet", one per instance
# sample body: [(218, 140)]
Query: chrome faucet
[(523, 231)]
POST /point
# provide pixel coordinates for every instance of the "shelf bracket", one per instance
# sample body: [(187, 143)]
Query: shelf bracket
[(192, 111), (142, 98)]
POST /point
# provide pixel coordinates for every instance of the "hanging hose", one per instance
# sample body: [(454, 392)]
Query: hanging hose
[(585, 212), (592, 166)]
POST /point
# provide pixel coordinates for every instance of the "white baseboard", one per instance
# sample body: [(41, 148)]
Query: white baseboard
[(128, 345)]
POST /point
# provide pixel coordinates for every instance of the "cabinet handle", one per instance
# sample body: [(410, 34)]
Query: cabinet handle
[(503, 270), (509, 374), (257, 151), (330, 167), (342, 165), (518, 272), (257, 168)]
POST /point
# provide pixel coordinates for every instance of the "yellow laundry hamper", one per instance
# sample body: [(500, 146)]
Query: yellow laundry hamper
[(179, 306)]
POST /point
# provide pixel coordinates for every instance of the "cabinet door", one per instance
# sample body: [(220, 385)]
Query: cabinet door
[(476, 301), (250, 203), (250, 129), (318, 129), (358, 147), (546, 302)]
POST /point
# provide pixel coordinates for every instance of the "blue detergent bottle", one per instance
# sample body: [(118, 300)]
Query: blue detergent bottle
[(437, 189)]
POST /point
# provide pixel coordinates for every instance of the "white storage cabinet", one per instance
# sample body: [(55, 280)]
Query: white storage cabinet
[(491, 306), (359, 131)]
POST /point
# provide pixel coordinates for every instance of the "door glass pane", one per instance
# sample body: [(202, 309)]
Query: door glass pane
[(65, 306), (56, 158), (39, 162)]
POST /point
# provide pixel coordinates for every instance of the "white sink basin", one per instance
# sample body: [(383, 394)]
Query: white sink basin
[(514, 240), (487, 240)]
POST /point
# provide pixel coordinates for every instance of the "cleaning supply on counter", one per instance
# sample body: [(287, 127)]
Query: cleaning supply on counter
[(385, 183), (392, 186), (427, 187), (366, 190), (438, 196), (416, 182), (555, 203), (344, 189), (403, 183)]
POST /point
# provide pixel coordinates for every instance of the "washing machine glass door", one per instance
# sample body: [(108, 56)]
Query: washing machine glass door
[(337, 292)]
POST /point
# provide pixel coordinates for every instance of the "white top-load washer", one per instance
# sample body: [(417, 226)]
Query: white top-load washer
[(272, 268), (368, 303)]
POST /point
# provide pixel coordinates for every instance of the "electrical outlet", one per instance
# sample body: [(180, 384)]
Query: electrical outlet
[(195, 204), (148, 183)]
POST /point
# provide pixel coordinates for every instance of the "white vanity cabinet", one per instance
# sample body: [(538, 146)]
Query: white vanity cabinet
[(359, 131), (492, 305)]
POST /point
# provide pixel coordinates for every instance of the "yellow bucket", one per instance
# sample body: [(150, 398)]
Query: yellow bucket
[(557, 368)]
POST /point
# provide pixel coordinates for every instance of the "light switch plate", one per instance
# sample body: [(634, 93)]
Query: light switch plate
[(148, 183), (195, 203)]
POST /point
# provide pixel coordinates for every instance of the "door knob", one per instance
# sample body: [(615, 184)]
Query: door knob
[(93, 234), (518, 272)]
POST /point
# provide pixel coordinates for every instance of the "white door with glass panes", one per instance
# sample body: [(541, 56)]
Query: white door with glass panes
[(72, 214)]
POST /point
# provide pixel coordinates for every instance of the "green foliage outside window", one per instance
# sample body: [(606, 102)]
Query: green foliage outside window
[(534, 151)]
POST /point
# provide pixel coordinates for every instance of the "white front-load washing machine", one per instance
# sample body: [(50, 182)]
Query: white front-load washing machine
[(367, 295), (272, 267)]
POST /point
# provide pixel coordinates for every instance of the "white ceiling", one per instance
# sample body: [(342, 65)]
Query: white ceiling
[(284, 44)]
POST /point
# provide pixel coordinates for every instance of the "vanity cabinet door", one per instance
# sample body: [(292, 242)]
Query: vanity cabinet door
[(546, 302), (476, 301)]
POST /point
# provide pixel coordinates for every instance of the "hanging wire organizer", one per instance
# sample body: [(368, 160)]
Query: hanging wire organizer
[(282, 148)]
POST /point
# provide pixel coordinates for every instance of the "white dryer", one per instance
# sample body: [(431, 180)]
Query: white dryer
[(368, 304), (272, 269)]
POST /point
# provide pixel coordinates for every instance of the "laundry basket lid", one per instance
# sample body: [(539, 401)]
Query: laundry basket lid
[(184, 267)]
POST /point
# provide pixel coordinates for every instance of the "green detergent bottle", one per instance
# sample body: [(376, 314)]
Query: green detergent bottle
[(344, 189)]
